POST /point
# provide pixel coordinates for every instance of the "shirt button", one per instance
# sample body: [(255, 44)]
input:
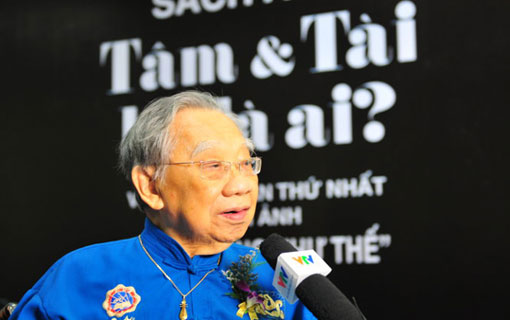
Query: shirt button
[(192, 270)]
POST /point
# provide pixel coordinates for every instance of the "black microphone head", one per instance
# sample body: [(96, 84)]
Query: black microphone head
[(273, 246), (325, 301)]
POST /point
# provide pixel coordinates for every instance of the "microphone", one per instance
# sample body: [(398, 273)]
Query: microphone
[(315, 291)]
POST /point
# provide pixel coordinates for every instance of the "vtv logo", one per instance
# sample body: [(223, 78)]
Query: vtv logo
[(303, 260), (283, 278)]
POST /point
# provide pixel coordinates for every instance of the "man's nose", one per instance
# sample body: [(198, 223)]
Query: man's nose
[(239, 183)]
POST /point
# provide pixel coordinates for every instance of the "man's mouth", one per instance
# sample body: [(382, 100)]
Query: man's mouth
[(235, 213)]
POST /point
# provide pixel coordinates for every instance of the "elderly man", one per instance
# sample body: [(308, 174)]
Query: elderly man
[(197, 182)]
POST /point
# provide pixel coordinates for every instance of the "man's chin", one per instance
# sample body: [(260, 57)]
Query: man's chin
[(233, 235)]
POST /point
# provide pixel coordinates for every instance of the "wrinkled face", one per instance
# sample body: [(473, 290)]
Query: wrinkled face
[(199, 211)]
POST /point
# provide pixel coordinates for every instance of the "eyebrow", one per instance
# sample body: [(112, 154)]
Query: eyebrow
[(205, 145), (201, 147)]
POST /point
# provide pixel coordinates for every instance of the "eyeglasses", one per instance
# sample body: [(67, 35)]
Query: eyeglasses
[(216, 169)]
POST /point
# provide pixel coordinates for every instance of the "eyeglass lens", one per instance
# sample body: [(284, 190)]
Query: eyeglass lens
[(218, 169)]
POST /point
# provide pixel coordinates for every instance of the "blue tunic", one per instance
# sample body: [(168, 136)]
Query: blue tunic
[(80, 285)]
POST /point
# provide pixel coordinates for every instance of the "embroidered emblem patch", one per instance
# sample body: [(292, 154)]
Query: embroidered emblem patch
[(121, 300)]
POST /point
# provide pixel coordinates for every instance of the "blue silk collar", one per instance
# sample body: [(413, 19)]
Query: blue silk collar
[(165, 249)]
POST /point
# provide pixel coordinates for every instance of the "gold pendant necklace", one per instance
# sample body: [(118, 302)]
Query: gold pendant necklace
[(183, 315)]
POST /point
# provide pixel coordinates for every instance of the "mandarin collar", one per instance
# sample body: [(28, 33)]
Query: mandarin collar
[(165, 249)]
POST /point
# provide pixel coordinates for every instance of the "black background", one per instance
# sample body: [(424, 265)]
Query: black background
[(445, 152)]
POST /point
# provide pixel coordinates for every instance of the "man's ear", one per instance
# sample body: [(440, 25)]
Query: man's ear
[(146, 186)]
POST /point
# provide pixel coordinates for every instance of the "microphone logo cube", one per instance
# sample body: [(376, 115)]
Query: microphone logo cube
[(294, 267)]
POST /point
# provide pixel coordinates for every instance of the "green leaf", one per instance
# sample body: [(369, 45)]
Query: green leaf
[(255, 265)]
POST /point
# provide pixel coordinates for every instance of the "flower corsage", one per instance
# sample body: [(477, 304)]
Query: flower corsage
[(244, 288)]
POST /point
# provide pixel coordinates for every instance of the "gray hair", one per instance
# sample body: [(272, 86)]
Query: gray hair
[(148, 142)]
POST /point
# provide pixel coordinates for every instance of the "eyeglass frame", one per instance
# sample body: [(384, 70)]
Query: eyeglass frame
[(202, 162)]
